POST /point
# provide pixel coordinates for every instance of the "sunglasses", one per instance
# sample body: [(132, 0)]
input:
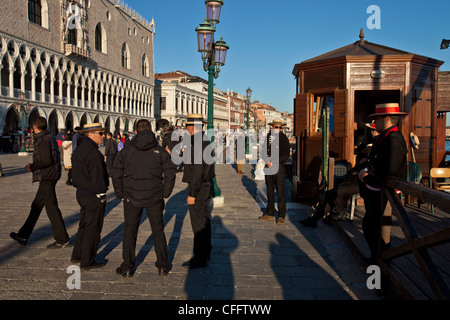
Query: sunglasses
[(100, 133), (277, 127)]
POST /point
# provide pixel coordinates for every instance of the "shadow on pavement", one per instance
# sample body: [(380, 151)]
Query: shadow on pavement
[(312, 283), (216, 281)]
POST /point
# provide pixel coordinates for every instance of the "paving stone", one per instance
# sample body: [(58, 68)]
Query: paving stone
[(251, 260)]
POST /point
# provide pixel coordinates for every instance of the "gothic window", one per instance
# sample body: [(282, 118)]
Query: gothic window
[(145, 66), (72, 36), (125, 56), (98, 38), (35, 11)]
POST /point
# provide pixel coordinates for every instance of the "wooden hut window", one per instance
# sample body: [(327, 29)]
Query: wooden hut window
[(321, 102)]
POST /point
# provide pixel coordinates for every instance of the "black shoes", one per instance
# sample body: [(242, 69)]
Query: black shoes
[(163, 271), (57, 245), (95, 265), (21, 241), (194, 264), (340, 216), (124, 273)]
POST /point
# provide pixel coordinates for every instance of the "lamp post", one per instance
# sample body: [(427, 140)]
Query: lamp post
[(213, 57), (247, 137), (22, 111)]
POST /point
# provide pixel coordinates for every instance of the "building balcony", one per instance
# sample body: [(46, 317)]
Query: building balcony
[(76, 51)]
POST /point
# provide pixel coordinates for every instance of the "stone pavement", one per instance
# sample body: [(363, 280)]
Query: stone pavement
[(251, 260)]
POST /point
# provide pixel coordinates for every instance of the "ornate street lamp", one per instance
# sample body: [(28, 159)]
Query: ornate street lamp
[(22, 110), (213, 8), (247, 102), (213, 57)]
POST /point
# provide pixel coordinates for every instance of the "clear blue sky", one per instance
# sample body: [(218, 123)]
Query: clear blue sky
[(267, 38)]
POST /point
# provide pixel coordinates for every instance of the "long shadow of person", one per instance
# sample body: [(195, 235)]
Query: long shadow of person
[(254, 189), (301, 277), (176, 207), (216, 281)]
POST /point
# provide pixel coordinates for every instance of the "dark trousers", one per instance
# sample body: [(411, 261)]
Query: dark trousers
[(132, 217), (375, 205), (201, 223), (92, 212), (277, 180), (69, 175), (109, 163), (337, 198), (46, 197)]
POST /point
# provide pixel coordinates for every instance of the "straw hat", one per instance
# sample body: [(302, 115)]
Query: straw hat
[(92, 127), (277, 122), (193, 119), (371, 126), (387, 109)]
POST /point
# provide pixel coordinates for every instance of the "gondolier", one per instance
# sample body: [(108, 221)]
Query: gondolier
[(387, 158)]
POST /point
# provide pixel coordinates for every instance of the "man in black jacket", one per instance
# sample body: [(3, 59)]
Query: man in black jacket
[(276, 147), (46, 169), (143, 176), (387, 158), (110, 151), (198, 174), (91, 180)]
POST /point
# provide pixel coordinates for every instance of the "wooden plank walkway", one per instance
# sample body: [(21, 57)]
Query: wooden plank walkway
[(407, 278)]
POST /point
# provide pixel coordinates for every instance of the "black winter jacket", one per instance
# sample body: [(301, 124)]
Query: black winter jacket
[(280, 145), (197, 173), (110, 147), (143, 172), (88, 168), (387, 158), (46, 164)]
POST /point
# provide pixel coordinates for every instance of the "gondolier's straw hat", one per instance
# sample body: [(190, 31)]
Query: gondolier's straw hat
[(194, 119), (92, 127), (387, 109), (277, 123)]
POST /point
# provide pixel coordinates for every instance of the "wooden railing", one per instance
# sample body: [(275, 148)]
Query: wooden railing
[(414, 242)]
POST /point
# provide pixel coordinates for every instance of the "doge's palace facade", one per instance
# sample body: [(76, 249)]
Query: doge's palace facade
[(75, 62)]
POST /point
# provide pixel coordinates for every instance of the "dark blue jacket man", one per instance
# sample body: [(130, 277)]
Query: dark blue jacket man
[(143, 176), (46, 169)]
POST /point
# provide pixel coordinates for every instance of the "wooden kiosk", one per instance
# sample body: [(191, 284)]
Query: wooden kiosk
[(350, 81)]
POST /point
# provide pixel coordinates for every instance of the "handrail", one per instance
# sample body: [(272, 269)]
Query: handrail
[(414, 243)]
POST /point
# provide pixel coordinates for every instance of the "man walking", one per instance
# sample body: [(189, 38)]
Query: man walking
[(91, 180), (198, 174), (143, 176), (46, 169), (387, 158), (110, 152), (277, 146)]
